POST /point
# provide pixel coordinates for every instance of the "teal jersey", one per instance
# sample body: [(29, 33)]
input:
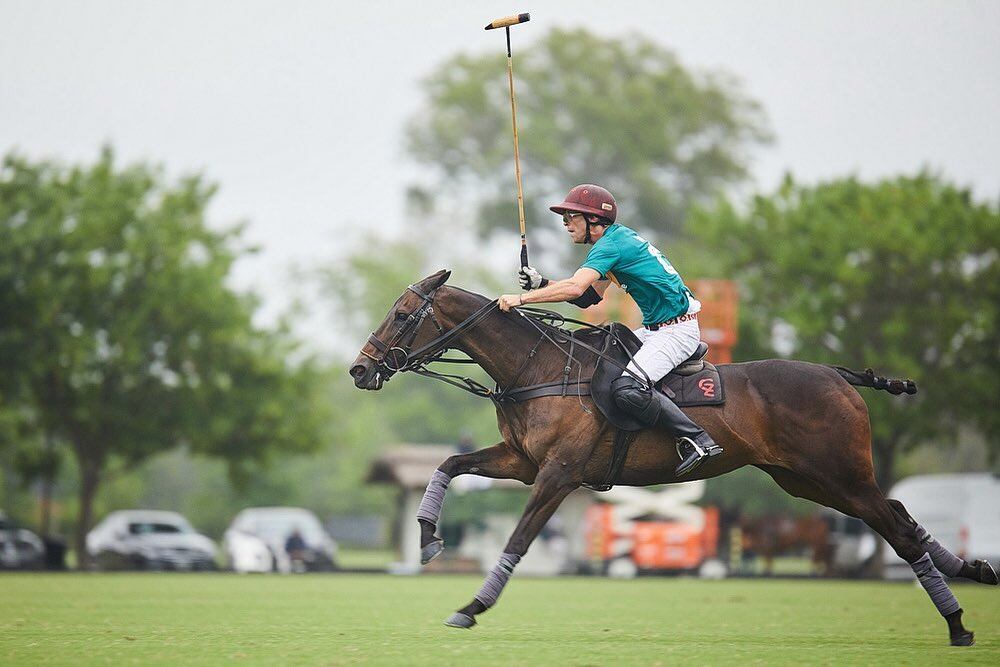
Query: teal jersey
[(636, 266)]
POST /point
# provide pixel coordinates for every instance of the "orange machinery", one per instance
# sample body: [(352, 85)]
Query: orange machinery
[(651, 545)]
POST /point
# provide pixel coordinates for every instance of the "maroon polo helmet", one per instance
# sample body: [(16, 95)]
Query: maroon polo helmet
[(588, 198)]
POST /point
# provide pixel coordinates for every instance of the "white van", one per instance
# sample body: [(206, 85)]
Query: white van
[(961, 511)]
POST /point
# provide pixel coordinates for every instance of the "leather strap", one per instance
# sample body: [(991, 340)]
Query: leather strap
[(556, 388), (619, 452)]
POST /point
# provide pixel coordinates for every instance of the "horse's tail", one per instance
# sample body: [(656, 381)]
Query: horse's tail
[(869, 379)]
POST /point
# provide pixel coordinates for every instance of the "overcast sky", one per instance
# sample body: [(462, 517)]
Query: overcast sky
[(297, 108)]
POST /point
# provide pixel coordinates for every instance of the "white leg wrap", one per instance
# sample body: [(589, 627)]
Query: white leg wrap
[(935, 585), (949, 564), (497, 579), (430, 504)]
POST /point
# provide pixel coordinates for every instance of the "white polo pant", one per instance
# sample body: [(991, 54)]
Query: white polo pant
[(664, 349)]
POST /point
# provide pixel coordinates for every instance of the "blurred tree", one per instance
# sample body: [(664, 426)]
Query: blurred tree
[(117, 329), (621, 112), (902, 275)]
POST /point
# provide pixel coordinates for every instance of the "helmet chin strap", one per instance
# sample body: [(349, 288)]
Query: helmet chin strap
[(587, 239)]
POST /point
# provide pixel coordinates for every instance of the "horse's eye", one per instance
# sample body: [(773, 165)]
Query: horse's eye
[(400, 315)]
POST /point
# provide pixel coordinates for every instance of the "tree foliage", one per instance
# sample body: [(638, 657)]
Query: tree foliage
[(622, 112), (900, 275), (119, 335)]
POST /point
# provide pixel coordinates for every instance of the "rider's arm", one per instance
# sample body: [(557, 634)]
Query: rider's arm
[(592, 295), (563, 290)]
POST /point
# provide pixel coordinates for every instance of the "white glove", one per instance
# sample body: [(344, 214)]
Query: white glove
[(530, 278)]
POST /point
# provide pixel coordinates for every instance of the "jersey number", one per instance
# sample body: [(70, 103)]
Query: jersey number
[(664, 262)]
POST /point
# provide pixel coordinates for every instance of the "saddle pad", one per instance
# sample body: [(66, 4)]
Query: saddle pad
[(702, 388)]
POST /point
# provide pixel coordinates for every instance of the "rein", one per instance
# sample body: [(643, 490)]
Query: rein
[(397, 357)]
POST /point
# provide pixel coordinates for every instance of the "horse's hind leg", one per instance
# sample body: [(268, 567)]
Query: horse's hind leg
[(865, 500), (553, 484), (947, 562), (894, 523), (498, 462)]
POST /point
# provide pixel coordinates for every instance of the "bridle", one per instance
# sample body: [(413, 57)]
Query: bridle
[(396, 355)]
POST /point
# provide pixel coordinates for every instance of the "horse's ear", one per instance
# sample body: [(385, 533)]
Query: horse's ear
[(440, 278)]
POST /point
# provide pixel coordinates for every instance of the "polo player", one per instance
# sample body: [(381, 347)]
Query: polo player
[(669, 333)]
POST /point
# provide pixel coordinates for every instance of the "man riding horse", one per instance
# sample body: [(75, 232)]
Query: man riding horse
[(669, 333), (804, 424)]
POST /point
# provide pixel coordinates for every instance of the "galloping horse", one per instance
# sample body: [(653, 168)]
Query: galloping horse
[(801, 423)]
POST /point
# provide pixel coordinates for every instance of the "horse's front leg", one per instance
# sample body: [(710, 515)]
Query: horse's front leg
[(498, 462), (555, 481)]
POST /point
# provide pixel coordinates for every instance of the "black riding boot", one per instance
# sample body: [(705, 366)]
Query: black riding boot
[(652, 408)]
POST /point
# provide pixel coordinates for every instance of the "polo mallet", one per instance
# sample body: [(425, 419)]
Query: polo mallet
[(506, 23)]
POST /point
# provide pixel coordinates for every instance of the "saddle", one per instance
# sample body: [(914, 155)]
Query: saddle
[(694, 382)]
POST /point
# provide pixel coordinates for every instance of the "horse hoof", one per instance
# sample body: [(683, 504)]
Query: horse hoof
[(987, 575), (431, 551), (460, 620), (964, 639)]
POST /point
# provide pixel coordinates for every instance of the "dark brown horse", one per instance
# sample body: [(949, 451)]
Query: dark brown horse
[(801, 423), (771, 536)]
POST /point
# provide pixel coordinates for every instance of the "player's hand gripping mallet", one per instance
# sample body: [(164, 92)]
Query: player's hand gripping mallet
[(506, 23)]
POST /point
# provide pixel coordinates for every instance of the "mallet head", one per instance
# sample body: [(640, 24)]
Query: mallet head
[(509, 21)]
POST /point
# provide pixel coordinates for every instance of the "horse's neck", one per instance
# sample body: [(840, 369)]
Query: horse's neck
[(498, 344)]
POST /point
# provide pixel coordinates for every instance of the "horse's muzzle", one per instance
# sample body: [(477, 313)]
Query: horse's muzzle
[(368, 376)]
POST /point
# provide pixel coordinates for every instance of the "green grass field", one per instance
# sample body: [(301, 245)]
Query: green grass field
[(351, 619)]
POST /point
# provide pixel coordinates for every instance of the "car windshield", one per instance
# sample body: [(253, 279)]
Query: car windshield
[(148, 527), (279, 527)]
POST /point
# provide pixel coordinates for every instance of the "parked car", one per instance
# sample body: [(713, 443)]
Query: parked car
[(961, 511), (149, 540), (852, 542), (278, 539), (20, 549)]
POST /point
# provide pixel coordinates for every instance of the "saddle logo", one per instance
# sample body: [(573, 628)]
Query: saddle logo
[(707, 386)]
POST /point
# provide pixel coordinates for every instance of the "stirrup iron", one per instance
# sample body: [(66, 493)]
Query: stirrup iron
[(689, 463), (697, 448)]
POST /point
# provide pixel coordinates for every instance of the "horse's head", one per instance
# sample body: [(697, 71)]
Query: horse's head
[(409, 324)]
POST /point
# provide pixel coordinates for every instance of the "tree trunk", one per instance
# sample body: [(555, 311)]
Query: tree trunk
[(45, 492), (90, 479), (45, 507), (885, 463)]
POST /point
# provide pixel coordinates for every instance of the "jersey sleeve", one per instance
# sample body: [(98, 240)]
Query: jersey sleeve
[(602, 258)]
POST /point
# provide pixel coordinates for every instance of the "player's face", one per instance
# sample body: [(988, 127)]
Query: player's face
[(576, 225)]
